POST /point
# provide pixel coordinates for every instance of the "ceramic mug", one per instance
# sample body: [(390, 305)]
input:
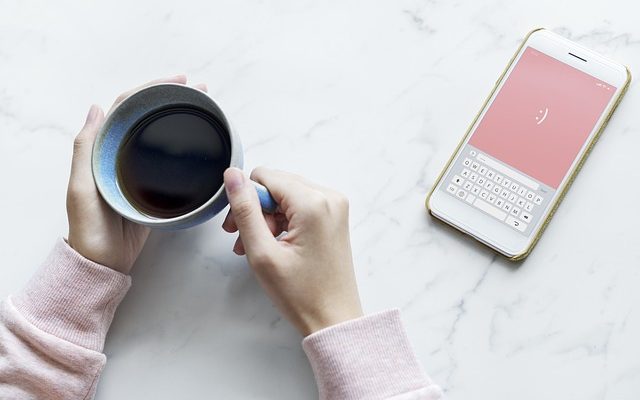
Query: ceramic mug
[(116, 129)]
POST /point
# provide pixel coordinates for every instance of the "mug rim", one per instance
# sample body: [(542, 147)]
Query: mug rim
[(139, 217)]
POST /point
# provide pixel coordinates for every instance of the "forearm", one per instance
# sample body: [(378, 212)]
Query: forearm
[(368, 358), (52, 331)]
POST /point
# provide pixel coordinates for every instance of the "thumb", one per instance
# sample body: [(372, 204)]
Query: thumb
[(83, 147), (257, 238)]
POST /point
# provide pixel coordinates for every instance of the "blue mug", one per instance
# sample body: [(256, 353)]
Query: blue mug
[(116, 130)]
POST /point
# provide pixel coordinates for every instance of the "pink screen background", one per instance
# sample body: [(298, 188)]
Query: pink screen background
[(509, 129)]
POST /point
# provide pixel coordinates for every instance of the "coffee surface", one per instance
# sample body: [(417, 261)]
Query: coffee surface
[(173, 161)]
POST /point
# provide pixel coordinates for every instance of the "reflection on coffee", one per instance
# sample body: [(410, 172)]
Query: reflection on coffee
[(173, 161)]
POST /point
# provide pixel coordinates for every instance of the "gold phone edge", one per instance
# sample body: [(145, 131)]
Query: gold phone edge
[(572, 176)]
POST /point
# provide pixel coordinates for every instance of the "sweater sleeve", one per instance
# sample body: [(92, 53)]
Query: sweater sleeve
[(368, 358), (52, 332)]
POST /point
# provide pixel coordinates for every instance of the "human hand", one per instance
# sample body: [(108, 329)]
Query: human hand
[(308, 273), (95, 230)]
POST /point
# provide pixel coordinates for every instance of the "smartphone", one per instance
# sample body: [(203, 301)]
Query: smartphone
[(522, 151)]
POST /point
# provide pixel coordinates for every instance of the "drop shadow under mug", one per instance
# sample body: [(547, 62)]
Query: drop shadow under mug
[(115, 131)]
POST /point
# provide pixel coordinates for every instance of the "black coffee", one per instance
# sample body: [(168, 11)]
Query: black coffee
[(173, 161)]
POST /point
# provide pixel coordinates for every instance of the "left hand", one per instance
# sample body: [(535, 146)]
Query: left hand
[(95, 230)]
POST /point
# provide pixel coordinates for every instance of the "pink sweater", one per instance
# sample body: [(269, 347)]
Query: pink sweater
[(53, 331)]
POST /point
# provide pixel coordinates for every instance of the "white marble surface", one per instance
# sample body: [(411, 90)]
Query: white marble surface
[(370, 98)]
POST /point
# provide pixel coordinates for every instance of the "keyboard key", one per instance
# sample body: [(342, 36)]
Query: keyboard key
[(473, 153), (499, 202), (525, 216), (467, 185), (491, 174), (498, 179), (461, 194), (475, 166), (470, 198), (475, 190), (519, 225), (473, 177), (506, 182), (484, 194), (521, 202), (452, 188), (530, 195), (529, 207), (504, 194), (481, 181), (457, 180), (515, 211), (482, 170), (507, 206), (466, 162), (521, 192), (489, 209), (465, 173), (491, 198), (513, 198), (488, 185), (514, 186), (496, 190), (538, 200)]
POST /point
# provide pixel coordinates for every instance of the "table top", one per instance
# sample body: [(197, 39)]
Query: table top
[(370, 98)]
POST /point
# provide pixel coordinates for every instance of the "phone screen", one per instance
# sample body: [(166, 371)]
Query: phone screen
[(528, 139)]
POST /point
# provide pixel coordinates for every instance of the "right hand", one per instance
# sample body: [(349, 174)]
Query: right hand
[(308, 273)]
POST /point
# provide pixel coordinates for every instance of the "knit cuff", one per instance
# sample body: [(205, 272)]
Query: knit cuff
[(369, 357), (72, 297)]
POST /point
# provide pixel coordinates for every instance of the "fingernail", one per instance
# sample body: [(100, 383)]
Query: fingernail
[(233, 179), (91, 116)]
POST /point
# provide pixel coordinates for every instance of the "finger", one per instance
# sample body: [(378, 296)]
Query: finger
[(83, 147), (229, 224), (260, 174), (202, 86), (274, 222), (247, 214), (273, 225), (182, 79), (288, 190), (238, 247)]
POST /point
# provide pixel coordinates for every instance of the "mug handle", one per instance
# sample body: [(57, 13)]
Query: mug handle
[(267, 202)]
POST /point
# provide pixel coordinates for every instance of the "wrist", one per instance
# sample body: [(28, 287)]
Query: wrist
[(97, 255), (329, 319)]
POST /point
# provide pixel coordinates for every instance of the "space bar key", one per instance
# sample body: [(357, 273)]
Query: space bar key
[(489, 209)]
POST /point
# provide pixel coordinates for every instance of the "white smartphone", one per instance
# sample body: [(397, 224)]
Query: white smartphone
[(522, 151)]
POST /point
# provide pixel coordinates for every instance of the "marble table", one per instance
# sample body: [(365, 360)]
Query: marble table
[(369, 98)]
